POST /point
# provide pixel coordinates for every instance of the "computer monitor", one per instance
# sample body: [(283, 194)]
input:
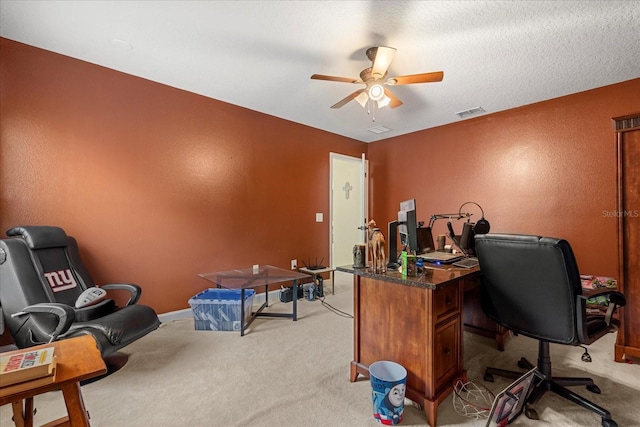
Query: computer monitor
[(467, 239), (408, 225), (425, 240)]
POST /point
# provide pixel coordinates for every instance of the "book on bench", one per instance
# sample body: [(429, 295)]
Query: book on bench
[(18, 367)]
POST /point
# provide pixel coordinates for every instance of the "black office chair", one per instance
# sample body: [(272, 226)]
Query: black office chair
[(42, 277), (531, 285)]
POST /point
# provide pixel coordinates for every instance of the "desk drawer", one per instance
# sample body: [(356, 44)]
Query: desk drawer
[(446, 301), (446, 353)]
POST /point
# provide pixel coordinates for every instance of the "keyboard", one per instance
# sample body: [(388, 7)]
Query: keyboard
[(466, 263)]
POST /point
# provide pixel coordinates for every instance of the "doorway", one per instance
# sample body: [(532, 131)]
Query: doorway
[(348, 206)]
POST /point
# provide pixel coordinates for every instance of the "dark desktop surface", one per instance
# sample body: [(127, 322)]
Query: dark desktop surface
[(467, 262), (432, 277)]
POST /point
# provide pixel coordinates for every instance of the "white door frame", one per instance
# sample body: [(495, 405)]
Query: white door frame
[(364, 199)]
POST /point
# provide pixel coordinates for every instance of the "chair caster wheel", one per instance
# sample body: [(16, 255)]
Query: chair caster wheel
[(532, 414), (609, 423), (488, 378), (521, 364), (594, 389)]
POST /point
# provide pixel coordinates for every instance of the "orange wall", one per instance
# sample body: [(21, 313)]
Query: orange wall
[(547, 168), (157, 184)]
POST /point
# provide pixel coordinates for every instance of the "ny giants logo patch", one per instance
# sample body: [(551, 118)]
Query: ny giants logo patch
[(61, 280)]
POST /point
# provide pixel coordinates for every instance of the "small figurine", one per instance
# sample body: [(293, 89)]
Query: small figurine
[(359, 254), (376, 248)]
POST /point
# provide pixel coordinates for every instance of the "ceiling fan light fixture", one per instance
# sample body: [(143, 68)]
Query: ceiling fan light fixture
[(384, 101), (376, 92), (362, 99)]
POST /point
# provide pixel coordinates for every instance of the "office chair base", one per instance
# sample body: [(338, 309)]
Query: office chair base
[(523, 363), (556, 385), (594, 389)]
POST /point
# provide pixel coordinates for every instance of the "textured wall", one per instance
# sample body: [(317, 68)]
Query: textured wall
[(157, 184), (547, 168)]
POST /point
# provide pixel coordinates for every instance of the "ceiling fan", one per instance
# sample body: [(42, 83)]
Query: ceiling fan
[(374, 80)]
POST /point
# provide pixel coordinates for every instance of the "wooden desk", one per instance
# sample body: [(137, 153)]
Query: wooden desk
[(416, 322), (474, 319), (77, 359)]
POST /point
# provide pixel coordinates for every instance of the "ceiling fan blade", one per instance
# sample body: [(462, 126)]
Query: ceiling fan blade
[(335, 79), (436, 76), (395, 102), (347, 99), (382, 60)]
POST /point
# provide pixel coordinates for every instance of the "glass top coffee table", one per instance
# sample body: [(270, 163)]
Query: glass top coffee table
[(252, 278)]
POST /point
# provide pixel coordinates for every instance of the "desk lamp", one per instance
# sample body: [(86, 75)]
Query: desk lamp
[(482, 226)]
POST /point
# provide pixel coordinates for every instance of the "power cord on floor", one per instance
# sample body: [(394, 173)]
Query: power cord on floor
[(335, 310), (326, 304)]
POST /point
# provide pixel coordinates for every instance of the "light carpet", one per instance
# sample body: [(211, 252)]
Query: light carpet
[(297, 374)]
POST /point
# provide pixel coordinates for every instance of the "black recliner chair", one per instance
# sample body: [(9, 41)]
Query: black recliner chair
[(531, 285), (42, 277)]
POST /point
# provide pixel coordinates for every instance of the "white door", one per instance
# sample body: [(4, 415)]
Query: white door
[(348, 206)]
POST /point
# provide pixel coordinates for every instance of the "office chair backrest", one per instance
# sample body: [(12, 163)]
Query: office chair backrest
[(530, 285), (55, 257), (42, 276)]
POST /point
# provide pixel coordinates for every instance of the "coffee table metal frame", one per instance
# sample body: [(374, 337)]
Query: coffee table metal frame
[(252, 278)]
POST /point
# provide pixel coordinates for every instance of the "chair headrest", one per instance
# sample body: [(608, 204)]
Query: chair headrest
[(40, 236)]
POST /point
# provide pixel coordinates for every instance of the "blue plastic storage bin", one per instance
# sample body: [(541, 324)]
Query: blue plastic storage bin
[(218, 309)]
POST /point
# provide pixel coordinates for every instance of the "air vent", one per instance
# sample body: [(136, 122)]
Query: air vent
[(627, 123), (470, 112), (379, 129)]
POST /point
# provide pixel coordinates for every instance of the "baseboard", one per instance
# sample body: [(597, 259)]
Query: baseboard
[(175, 315)]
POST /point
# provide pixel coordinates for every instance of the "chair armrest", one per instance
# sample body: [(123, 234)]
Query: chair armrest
[(616, 299), (92, 312), (64, 314), (613, 295), (134, 290)]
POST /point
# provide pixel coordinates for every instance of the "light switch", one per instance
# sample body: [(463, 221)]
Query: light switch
[(319, 217)]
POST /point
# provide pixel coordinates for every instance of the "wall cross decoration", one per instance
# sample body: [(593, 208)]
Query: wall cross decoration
[(347, 189)]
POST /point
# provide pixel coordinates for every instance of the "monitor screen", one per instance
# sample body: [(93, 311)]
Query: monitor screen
[(425, 240), (467, 238)]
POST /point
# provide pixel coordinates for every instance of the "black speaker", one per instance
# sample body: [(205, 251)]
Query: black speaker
[(392, 239), (320, 287), (482, 226)]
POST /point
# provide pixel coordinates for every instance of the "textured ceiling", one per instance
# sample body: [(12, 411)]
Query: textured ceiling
[(260, 54)]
